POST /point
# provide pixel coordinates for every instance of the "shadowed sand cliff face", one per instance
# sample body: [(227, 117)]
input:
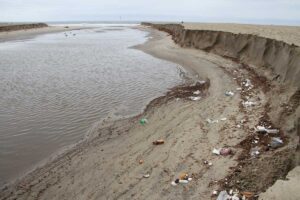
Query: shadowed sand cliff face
[(276, 61), (282, 58)]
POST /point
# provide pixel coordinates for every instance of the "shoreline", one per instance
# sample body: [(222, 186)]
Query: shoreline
[(166, 117), (22, 34)]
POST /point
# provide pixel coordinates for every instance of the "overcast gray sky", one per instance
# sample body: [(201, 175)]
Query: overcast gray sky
[(242, 11)]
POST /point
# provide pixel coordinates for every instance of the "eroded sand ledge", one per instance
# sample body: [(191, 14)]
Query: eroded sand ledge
[(107, 166)]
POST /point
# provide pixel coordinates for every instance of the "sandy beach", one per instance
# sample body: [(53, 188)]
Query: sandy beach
[(120, 161), (29, 33)]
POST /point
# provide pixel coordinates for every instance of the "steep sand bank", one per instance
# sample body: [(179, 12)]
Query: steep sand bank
[(111, 164), (274, 62)]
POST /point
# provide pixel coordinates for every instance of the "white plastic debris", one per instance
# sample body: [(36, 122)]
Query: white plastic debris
[(146, 175), (208, 163), (262, 129), (215, 192), (216, 151), (183, 181), (272, 131), (276, 142), (197, 92), (229, 93), (235, 197), (254, 151), (223, 119), (210, 121), (195, 98), (247, 83), (238, 89), (249, 103), (223, 195)]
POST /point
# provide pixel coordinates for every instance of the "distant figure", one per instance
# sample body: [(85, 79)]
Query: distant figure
[(181, 22)]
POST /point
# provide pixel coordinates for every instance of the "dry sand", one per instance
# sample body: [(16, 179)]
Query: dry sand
[(288, 34), (111, 164)]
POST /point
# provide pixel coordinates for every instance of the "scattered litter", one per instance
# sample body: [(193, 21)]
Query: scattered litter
[(146, 175), (229, 93), (216, 151), (210, 121), (255, 141), (207, 163), (223, 119), (183, 181), (143, 121), (215, 192), (249, 103), (238, 126), (158, 142), (225, 151), (222, 151), (197, 92), (238, 89), (183, 178), (223, 195), (195, 98), (276, 142), (141, 162), (254, 151), (262, 129), (247, 83)]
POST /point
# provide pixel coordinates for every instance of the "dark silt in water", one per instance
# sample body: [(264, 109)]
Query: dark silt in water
[(54, 87)]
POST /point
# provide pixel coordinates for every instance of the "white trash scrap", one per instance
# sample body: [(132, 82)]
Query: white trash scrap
[(195, 98), (276, 142), (249, 103), (262, 129), (197, 92), (183, 178), (210, 121), (229, 93)]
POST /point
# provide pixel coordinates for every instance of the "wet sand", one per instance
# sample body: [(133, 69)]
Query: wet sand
[(112, 162)]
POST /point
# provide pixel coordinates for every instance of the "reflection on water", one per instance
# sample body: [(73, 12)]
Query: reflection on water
[(55, 86)]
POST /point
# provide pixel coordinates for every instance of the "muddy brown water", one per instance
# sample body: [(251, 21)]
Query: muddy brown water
[(54, 87)]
